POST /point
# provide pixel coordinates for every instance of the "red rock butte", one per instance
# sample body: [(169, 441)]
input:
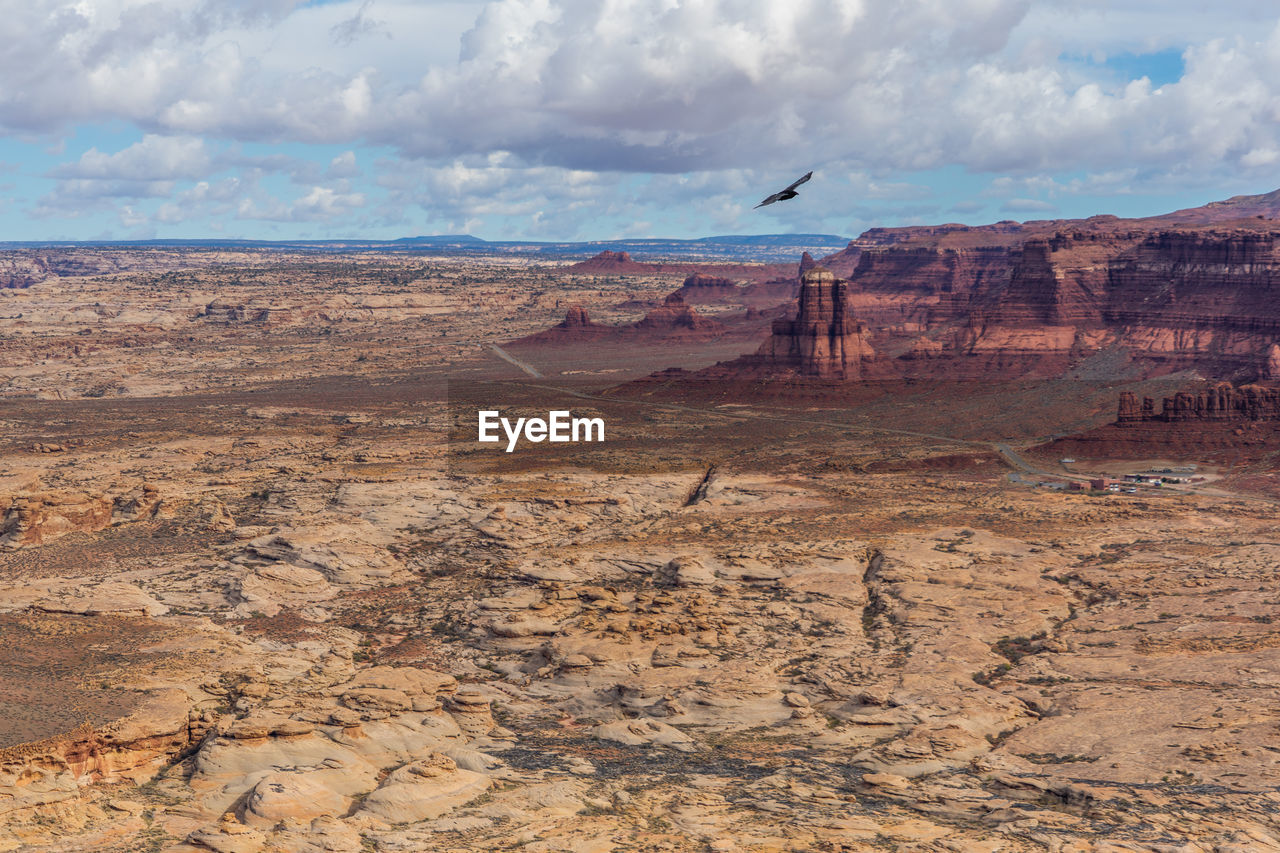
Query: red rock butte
[(576, 327), (674, 315), (822, 341)]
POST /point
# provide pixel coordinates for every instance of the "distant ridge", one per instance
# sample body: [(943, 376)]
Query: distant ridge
[(1266, 205), (744, 248), (441, 238)]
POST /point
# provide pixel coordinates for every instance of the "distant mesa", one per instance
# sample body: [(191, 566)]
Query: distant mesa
[(673, 319), (1264, 206), (611, 262), (439, 239), (705, 289), (777, 290)]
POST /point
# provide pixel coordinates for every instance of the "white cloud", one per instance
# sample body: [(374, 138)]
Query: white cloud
[(343, 166), (540, 109), (358, 26), (153, 158), (319, 204), (651, 85)]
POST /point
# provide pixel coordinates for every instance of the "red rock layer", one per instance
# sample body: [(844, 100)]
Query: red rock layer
[(1224, 280), (1168, 300), (1222, 402), (926, 286), (1242, 441), (1098, 298), (773, 292), (1244, 420)]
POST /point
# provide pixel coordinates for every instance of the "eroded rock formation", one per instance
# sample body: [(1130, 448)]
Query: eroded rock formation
[(699, 288), (576, 327), (1222, 402), (673, 318), (676, 317), (823, 340)]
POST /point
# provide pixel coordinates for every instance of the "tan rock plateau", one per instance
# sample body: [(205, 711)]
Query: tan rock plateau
[(262, 590)]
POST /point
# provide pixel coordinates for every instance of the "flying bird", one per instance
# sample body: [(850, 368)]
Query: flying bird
[(789, 192)]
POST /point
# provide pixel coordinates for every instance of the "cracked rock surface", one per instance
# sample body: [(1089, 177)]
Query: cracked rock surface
[(295, 615)]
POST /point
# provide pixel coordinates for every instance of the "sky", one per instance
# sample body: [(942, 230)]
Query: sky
[(603, 119)]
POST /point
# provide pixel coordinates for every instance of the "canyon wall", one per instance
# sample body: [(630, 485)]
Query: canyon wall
[(1167, 300)]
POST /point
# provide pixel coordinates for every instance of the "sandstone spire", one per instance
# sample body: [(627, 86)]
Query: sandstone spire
[(823, 340)]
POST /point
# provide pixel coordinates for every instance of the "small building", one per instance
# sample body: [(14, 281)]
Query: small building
[(1100, 483), (1076, 486)]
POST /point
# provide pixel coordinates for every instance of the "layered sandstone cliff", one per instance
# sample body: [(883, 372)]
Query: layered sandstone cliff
[(1201, 300), (1040, 301)]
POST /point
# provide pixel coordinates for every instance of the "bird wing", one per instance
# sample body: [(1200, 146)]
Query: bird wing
[(807, 176), (770, 200)]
